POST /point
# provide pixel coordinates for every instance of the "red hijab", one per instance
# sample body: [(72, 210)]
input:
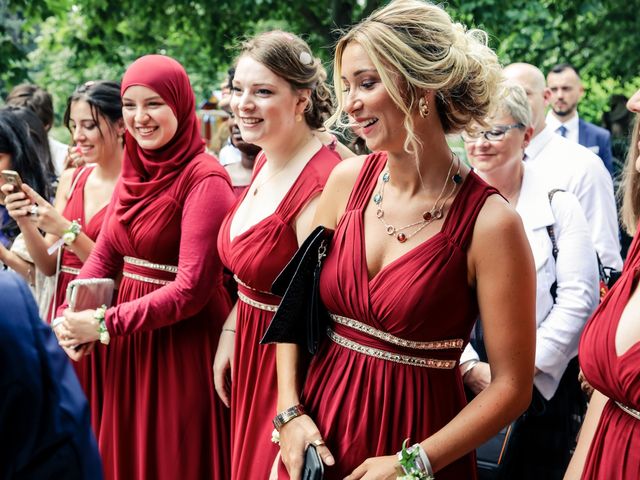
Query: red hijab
[(146, 173)]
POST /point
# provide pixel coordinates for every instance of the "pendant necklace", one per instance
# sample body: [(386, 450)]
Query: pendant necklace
[(429, 216)]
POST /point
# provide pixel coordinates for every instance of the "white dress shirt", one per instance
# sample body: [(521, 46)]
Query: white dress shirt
[(559, 324), (572, 125), (229, 154), (58, 154), (574, 168)]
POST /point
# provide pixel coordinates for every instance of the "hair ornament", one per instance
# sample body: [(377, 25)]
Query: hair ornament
[(305, 58)]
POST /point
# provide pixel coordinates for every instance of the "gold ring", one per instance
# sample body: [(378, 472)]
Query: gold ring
[(318, 442)]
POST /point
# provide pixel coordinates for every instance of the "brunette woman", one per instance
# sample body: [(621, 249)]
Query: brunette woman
[(421, 246), (160, 417), (279, 100)]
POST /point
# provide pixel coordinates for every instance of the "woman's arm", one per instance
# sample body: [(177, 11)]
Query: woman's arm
[(296, 434), (576, 272), (585, 437), (25, 269), (223, 361)]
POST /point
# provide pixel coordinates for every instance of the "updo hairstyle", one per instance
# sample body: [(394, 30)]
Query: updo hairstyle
[(104, 100), (289, 57), (415, 47)]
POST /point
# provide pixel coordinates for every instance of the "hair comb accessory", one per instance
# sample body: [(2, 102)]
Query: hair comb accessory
[(305, 58)]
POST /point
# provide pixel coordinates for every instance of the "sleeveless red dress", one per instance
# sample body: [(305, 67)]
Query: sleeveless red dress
[(256, 257), (615, 450), (161, 417), (367, 388), (90, 369)]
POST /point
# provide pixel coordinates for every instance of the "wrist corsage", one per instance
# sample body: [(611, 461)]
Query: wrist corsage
[(71, 233), (102, 326), (413, 463)]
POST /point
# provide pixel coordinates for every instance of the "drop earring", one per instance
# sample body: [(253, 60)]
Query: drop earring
[(423, 107)]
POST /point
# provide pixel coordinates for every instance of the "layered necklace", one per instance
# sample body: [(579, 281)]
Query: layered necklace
[(429, 216)]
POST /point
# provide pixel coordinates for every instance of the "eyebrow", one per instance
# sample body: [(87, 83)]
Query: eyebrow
[(155, 97), (361, 71)]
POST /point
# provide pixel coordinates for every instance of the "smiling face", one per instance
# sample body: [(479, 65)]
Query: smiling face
[(265, 105), (366, 100), (488, 157), (95, 140), (148, 118)]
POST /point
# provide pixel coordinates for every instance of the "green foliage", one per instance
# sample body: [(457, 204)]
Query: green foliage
[(62, 43)]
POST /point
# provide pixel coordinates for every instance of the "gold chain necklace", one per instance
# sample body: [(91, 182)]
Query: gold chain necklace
[(429, 216)]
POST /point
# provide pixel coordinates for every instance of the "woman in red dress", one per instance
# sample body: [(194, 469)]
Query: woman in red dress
[(160, 417), (279, 99), (421, 246), (94, 118), (609, 442)]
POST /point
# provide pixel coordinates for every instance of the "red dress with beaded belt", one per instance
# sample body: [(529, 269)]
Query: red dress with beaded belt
[(388, 370), (256, 257), (615, 449)]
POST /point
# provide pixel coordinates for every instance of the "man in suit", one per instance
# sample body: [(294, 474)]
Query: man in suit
[(45, 431), (566, 90)]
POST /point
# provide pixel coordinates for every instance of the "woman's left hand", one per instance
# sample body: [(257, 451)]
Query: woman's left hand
[(78, 328), (376, 468), (48, 219)]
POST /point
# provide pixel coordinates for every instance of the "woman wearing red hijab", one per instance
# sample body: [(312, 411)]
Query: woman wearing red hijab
[(160, 418)]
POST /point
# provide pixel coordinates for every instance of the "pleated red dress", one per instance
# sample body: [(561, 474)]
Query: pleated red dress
[(615, 450), (90, 369), (388, 370), (256, 257)]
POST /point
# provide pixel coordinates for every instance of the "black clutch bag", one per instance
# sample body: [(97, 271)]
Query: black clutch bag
[(301, 316), (313, 467)]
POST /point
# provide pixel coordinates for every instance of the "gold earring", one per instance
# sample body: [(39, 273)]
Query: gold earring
[(298, 118), (423, 107)]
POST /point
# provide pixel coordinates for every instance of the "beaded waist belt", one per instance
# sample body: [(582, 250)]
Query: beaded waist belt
[(71, 270), (256, 304), (135, 268), (393, 340), (630, 411)]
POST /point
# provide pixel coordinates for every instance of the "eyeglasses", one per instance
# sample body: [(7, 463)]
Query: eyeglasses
[(496, 133)]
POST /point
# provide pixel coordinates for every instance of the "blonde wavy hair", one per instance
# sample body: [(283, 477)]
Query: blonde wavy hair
[(415, 46), (630, 211)]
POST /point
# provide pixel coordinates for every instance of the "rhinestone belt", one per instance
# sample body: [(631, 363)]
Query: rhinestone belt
[(387, 337), (142, 278), (71, 270), (392, 357), (260, 305), (249, 287), (631, 411), (153, 266)]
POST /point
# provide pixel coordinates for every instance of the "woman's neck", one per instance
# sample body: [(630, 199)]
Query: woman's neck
[(507, 180), (109, 167), (291, 145)]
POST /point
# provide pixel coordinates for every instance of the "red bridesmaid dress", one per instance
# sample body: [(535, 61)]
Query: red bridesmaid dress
[(256, 257), (90, 369), (388, 370), (615, 449)]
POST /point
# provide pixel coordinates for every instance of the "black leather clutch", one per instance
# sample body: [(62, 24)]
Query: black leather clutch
[(301, 316), (313, 467)]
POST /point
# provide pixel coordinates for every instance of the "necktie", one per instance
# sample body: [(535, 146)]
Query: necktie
[(562, 130)]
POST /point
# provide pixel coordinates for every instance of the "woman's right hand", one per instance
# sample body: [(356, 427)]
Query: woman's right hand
[(74, 158), (295, 436), (223, 366), (17, 203)]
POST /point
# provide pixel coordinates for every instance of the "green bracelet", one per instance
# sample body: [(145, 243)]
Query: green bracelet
[(102, 326)]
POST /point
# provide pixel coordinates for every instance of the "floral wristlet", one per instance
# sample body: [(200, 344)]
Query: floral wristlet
[(413, 463)]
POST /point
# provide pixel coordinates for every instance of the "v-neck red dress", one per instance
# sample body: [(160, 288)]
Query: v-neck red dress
[(256, 257), (615, 449), (367, 388), (90, 369)]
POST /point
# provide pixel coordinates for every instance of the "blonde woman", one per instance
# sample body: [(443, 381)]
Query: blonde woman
[(421, 246)]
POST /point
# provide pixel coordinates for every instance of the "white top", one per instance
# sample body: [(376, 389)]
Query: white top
[(229, 154), (559, 324), (58, 153), (574, 168), (572, 125)]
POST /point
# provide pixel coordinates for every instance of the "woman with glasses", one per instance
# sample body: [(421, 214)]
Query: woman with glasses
[(567, 288)]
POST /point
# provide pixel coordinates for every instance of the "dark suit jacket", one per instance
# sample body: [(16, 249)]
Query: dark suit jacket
[(598, 140), (45, 430)]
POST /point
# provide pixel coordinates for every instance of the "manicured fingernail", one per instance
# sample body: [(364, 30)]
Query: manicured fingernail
[(330, 460)]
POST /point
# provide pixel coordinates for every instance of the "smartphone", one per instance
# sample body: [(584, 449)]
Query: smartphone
[(13, 178), (313, 466)]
